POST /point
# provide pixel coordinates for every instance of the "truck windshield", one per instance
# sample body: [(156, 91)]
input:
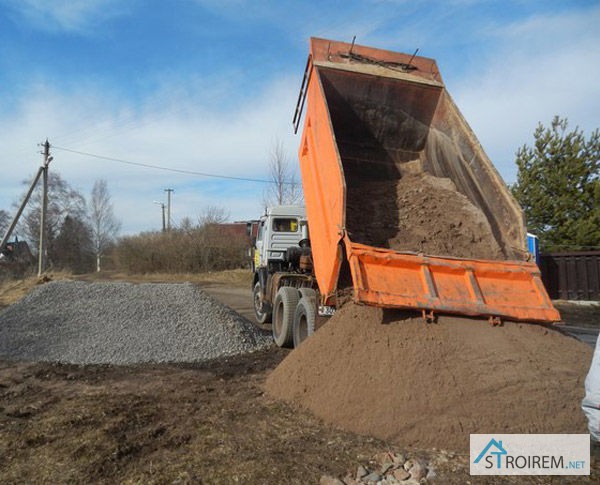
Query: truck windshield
[(285, 225)]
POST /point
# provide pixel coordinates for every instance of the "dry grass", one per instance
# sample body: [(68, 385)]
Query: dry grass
[(232, 277), (12, 291)]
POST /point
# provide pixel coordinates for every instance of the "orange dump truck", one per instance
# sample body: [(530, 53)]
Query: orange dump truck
[(377, 125)]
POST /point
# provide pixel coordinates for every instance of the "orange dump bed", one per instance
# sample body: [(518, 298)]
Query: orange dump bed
[(374, 116)]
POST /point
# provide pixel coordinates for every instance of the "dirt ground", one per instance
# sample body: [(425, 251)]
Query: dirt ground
[(206, 423)]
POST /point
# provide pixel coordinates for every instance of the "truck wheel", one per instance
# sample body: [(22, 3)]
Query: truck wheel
[(304, 320), (261, 309), (284, 309), (307, 293)]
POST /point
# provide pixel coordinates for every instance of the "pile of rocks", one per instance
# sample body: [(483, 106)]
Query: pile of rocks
[(386, 468), (122, 323)]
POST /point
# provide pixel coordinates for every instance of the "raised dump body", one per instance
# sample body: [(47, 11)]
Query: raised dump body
[(396, 184)]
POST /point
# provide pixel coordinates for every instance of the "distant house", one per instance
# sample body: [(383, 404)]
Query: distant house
[(16, 251), (238, 230), (15, 259)]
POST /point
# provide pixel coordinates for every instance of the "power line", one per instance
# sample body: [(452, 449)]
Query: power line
[(168, 169)]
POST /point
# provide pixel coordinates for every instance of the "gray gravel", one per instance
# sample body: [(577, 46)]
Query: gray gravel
[(124, 323)]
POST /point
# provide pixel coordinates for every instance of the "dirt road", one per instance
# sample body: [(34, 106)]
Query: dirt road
[(238, 298)]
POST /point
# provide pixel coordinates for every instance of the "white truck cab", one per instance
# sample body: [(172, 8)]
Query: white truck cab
[(280, 228)]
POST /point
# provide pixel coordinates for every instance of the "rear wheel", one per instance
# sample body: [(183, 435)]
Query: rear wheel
[(284, 309), (262, 312), (304, 320), (307, 293)]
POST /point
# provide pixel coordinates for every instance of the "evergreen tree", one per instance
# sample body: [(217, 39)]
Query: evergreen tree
[(73, 248), (558, 186)]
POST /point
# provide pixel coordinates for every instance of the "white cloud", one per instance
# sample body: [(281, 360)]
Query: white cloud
[(67, 15), (544, 66), (168, 129)]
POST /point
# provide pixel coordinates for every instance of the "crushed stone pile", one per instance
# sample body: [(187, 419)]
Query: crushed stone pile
[(389, 375), (123, 323), (420, 213)]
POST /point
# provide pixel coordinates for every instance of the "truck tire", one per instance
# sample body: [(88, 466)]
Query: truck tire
[(284, 310), (304, 320), (307, 293), (262, 311)]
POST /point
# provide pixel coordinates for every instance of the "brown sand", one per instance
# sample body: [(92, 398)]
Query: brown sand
[(419, 213), (394, 377)]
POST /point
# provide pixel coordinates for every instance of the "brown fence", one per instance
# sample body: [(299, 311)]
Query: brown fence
[(572, 276)]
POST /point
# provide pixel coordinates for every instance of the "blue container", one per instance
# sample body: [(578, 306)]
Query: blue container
[(533, 245)]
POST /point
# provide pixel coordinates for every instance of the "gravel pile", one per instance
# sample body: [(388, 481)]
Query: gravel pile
[(124, 323)]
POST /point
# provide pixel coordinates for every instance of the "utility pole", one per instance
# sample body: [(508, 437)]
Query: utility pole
[(21, 208), (162, 206), (43, 251), (168, 191)]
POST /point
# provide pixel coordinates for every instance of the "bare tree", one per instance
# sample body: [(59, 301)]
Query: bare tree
[(4, 222), (63, 201), (105, 226), (211, 215), (284, 187), (186, 225)]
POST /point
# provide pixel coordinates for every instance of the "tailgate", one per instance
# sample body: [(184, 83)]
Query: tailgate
[(508, 289)]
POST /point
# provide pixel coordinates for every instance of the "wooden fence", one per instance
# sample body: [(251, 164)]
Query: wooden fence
[(572, 276)]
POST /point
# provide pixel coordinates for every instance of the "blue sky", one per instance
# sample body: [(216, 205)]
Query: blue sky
[(209, 85)]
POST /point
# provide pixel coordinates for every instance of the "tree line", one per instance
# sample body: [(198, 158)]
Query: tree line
[(207, 244), (558, 187), (79, 232), (82, 236)]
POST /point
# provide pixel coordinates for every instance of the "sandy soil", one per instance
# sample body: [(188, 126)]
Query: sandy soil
[(419, 213), (388, 374)]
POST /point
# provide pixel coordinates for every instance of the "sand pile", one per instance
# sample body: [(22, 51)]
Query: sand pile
[(384, 374), (419, 213)]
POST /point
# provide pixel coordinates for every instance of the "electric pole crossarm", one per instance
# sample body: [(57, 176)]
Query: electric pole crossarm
[(21, 208)]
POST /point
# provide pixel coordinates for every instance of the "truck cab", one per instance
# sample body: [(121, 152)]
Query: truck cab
[(280, 228)]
